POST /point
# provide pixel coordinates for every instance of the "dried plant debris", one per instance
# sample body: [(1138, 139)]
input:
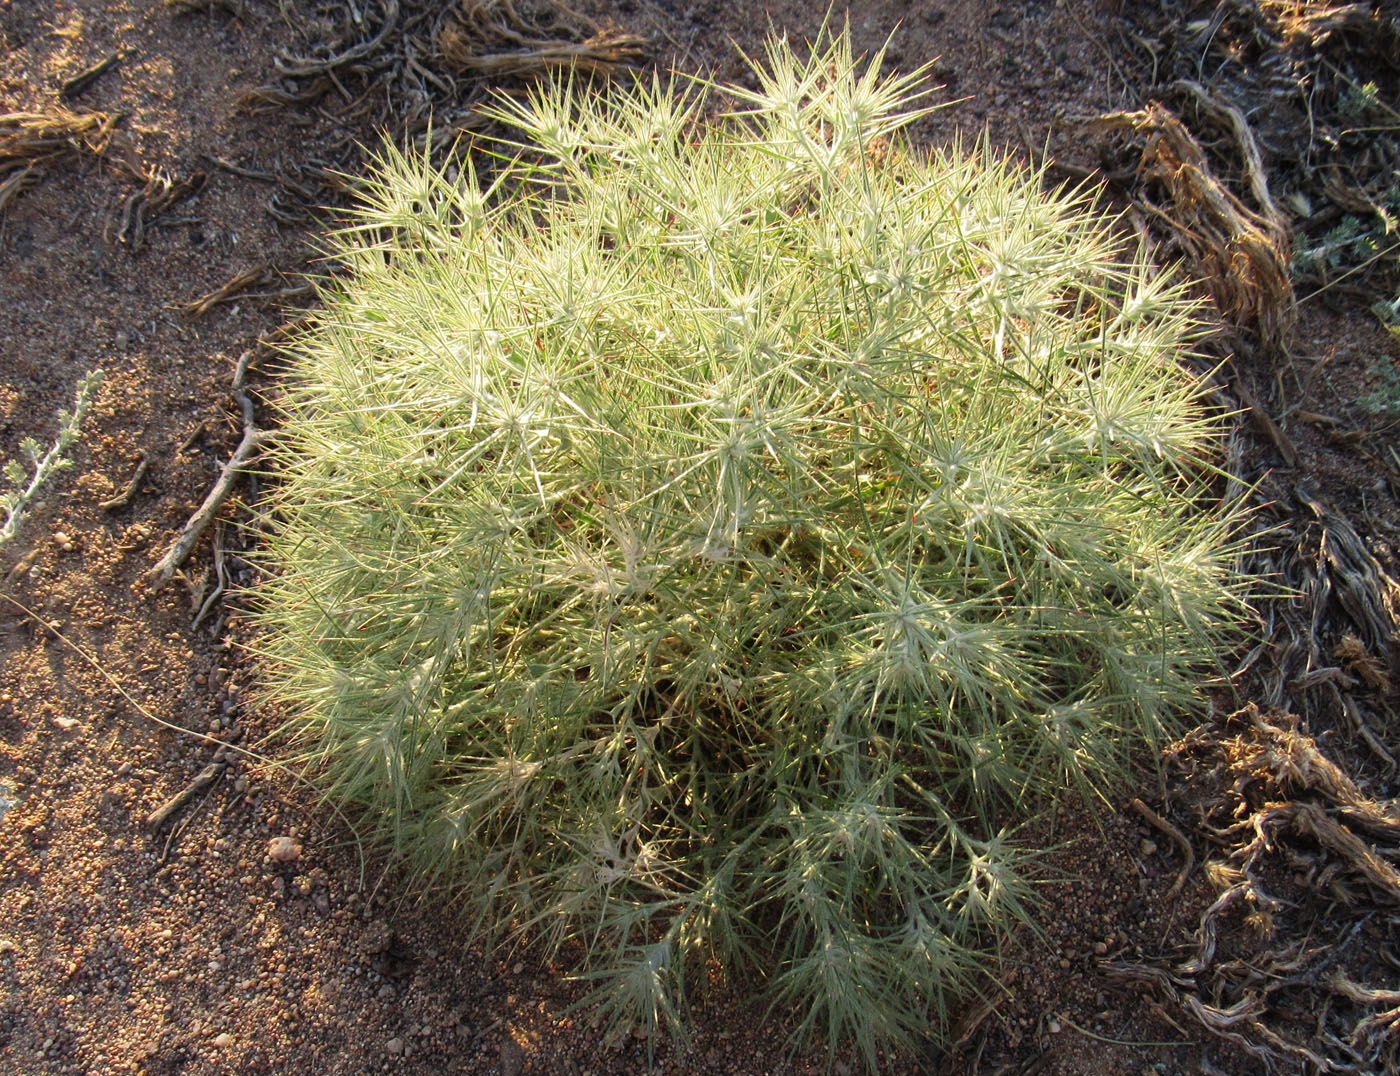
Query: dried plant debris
[(75, 87), (1330, 638), (242, 284), (1297, 959), (236, 8), (419, 69), (1314, 88), (1334, 648), (400, 61), (30, 141), (144, 209), (305, 187), (493, 38), (1241, 252)]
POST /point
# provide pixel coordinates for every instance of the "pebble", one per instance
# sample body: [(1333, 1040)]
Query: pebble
[(283, 850), (512, 1058), (1147, 847), (62, 540), (223, 1039), (394, 1046), (1053, 1027), (1100, 949)]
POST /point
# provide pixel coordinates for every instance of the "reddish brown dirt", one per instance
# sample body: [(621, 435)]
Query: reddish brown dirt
[(191, 950)]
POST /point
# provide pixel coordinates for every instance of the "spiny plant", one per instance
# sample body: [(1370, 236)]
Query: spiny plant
[(700, 546)]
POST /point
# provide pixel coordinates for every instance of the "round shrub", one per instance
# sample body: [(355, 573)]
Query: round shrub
[(700, 545)]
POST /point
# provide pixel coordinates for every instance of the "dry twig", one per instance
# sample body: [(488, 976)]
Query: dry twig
[(73, 87), (1160, 824), (1290, 819), (253, 440), (490, 38), (182, 799), (122, 499), (240, 287)]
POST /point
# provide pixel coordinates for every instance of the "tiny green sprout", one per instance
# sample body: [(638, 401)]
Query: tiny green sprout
[(1358, 100), (43, 465), (700, 548)]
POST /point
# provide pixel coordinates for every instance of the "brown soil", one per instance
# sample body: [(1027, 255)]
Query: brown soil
[(190, 948)]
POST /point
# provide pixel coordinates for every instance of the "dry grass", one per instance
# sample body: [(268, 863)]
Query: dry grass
[(30, 141), (1242, 253), (490, 38)]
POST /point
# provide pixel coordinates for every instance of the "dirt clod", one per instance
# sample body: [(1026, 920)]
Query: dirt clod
[(283, 850)]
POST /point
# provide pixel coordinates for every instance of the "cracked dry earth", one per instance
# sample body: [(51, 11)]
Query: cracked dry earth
[(244, 934)]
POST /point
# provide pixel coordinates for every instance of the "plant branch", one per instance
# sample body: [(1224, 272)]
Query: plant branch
[(253, 440)]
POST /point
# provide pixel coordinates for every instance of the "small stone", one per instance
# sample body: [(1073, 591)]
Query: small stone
[(1147, 848), (62, 539), (283, 850), (377, 938), (1100, 949), (394, 1046), (1053, 1027), (512, 1058), (65, 722), (223, 1039), (7, 946)]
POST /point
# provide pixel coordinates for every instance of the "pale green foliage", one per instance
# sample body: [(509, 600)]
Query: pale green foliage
[(701, 545), (27, 477)]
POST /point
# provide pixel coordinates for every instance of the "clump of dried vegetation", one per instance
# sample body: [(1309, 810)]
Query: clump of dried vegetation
[(1305, 869), (1267, 151), (32, 141), (403, 65), (1269, 145)]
